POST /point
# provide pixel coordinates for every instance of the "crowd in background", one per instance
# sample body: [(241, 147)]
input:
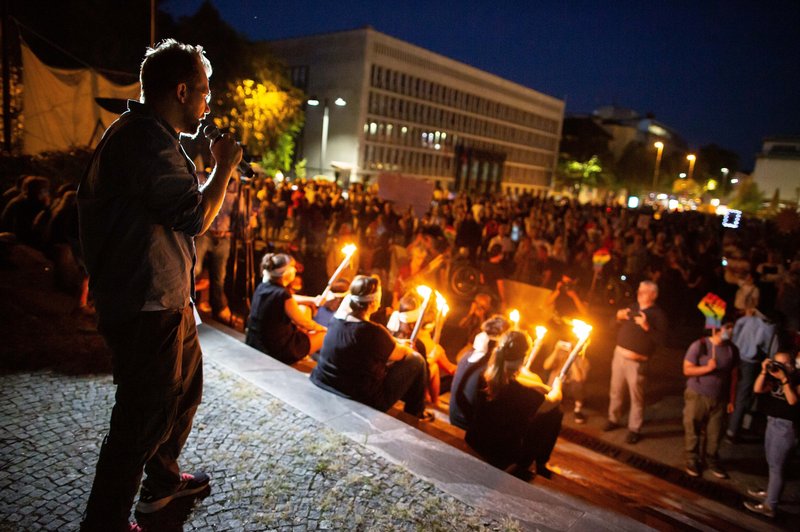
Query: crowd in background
[(528, 237)]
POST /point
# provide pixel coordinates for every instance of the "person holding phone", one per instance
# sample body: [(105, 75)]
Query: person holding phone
[(643, 327)]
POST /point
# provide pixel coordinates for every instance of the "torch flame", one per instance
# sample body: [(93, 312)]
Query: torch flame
[(441, 302), (581, 329), (514, 316), (424, 291), (349, 249), (541, 330)]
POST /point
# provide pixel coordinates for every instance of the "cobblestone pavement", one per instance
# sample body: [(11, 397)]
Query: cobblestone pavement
[(272, 468)]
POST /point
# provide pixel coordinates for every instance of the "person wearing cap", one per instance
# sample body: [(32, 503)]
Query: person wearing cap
[(277, 325), (467, 378), (711, 366), (517, 418), (360, 360)]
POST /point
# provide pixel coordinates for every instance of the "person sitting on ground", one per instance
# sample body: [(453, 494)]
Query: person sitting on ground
[(517, 418), (360, 360), (278, 325), (401, 324), (19, 214), (467, 378), (778, 386)]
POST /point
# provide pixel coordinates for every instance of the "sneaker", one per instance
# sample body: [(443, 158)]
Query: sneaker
[(758, 494), (190, 485), (760, 508), (718, 471), (609, 426), (579, 417), (693, 469), (633, 438)]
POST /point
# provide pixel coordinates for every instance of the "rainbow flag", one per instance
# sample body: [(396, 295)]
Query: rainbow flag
[(713, 308)]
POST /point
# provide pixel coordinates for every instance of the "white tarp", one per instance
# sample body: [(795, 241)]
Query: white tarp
[(59, 105)]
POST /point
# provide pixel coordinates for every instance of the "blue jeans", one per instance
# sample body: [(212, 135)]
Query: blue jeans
[(748, 371), (778, 442)]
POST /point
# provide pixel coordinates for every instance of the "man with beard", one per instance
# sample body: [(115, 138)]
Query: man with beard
[(140, 208)]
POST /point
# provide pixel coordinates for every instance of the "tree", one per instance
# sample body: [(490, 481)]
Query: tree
[(578, 174), (748, 197)]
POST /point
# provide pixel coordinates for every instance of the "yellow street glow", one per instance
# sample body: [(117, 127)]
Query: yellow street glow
[(581, 329), (349, 249), (541, 330)]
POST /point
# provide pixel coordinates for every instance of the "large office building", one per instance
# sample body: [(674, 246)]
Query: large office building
[(387, 106)]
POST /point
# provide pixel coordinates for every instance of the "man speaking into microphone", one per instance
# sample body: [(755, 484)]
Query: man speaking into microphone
[(140, 208)]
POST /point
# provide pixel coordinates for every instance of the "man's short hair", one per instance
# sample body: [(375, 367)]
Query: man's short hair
[(169, 64), (651, 285)]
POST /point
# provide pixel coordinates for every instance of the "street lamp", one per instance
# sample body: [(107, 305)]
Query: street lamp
[(660, 147), (323, 146), (724, 172), (691, 158)]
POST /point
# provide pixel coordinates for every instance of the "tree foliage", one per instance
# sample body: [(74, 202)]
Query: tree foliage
[(748, 197)]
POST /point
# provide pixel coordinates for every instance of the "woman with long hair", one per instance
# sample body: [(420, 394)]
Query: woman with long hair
[(517, 417), (361, 360), (278, 325)]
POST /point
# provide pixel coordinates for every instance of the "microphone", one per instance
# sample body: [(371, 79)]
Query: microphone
[(212, 133)]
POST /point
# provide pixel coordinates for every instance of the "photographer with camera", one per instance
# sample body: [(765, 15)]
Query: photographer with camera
[(779, 388), (643, 326)]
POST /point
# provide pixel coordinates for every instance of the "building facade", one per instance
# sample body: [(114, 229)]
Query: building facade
[(778, 169), (410, 111)]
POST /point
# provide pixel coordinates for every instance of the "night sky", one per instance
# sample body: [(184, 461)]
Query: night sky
[(724, 72)]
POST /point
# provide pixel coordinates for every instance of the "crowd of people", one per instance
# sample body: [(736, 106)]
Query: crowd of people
[(142, 212)]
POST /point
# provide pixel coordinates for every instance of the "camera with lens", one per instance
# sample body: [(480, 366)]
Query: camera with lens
[(776, 366)]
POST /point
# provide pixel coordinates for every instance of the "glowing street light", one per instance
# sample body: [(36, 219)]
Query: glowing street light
[(660, 147), (323, 146), (692, 158)]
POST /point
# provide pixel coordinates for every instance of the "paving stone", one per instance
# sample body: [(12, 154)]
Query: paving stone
[(272, 467)]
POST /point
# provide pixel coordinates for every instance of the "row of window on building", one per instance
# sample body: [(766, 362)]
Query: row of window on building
[(398, 108), (378, 157), (408, 85), (382, 158), (415, 137)]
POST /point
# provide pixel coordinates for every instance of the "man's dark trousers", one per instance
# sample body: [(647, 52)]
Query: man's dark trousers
[(159, 375)]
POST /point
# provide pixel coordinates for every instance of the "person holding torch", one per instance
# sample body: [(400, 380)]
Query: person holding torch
[(517, 419), (280, 324)]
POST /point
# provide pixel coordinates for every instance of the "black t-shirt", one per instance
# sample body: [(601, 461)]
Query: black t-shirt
[(353, 359), (633, 337), (774, 403), (499, 425), (269, 328)]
